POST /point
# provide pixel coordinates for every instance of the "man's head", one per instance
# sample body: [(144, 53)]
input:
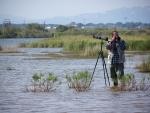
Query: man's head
[(115, 35)]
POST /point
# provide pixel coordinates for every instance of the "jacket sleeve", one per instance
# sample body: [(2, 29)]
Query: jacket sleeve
[(122, 45), (108, 46), (111, 45)]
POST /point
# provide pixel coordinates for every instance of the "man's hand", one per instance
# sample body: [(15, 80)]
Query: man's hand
[(117, 45), (113, 38)]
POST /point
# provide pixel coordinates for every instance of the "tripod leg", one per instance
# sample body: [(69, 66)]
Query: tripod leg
[(104, 72), (94, 68), (105, 68)]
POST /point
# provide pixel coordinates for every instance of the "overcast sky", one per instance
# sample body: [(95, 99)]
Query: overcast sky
[(37, 9)]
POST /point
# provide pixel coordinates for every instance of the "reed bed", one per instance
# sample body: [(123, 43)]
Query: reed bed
[(87, 46)]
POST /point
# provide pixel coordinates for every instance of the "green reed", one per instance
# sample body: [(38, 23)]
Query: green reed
[(87, 46), (79, 81), (42, 83)]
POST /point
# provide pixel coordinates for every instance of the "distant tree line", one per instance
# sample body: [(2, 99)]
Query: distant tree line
[(35, 30), (128, 25), (74, 30)]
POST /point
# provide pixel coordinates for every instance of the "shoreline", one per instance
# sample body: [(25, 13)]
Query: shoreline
[(62, 54)]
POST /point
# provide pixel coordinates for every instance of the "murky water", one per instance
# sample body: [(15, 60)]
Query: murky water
[(16, 71), (11, 42)]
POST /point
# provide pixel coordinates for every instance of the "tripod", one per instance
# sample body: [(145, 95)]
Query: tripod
[(100, 54)]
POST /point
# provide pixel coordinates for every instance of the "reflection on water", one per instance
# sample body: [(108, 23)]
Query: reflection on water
[(9, 42), (39, 50), (13, 98)]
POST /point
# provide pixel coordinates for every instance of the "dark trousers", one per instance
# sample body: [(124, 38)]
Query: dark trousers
[(114, 69)]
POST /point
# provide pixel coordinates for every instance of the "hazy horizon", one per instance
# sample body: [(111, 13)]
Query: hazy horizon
[(37, 9), (46, 9)]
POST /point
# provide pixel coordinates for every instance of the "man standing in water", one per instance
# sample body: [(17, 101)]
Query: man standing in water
[(116, 57)]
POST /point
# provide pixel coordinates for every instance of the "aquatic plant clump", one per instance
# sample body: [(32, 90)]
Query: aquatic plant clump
[(42, 83), (145, 65), (79, 81), (129, 83), (1, 48)]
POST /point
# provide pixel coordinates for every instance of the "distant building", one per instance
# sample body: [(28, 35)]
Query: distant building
[(6, 23), (54, 27), (82, 27), (48, 27)]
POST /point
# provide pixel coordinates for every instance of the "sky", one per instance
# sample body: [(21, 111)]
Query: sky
[(38, 9)]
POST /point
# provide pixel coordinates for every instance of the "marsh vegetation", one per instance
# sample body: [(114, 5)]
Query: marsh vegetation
[(85, 45), (145, 65), (1, 48), (129, 83), (42, 83), (79, 81)]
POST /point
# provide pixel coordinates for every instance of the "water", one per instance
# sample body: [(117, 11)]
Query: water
[(14, 98), (9, 42)]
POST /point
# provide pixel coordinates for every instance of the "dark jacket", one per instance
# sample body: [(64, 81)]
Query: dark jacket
[(116, 51)]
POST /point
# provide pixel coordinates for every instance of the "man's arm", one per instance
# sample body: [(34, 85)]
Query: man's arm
[(122, 45), (108, 46), (111, 45)]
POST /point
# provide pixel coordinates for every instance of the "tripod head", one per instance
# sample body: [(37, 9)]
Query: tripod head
[(100, 37)]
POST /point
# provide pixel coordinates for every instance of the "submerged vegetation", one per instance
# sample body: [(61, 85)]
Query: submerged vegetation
[(42, 83), (145, 65), (79, 81)]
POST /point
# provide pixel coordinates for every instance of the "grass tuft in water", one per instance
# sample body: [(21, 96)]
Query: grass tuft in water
[(129, 83), (145, 65), (1, 48), (42, 83), (79, 81)]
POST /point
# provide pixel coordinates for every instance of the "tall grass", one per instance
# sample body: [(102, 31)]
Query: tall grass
[(140, 43), (87, 46), (83, 45)]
